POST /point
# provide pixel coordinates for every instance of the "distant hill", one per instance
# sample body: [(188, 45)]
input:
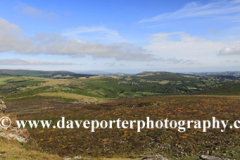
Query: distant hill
[(32, 72), (35, 73), (227, 73), (93, 72), (154, 73)]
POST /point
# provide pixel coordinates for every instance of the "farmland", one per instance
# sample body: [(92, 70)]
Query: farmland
[(140, 85)]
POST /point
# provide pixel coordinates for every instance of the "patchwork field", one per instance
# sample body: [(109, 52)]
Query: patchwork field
[(139, 85)]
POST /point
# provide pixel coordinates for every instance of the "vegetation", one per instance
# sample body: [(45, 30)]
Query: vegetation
[(48, 74), (145, 84), (14, 150), (157, 95), (229, 89), (129, 143)]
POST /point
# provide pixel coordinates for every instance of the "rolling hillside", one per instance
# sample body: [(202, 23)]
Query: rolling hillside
[(229, 89), (48, 74)]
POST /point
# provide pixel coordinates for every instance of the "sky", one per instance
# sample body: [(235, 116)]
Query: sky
[(128, 36)]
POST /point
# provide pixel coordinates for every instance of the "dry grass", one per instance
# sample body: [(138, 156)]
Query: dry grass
[(220, 96), (116, 77), (73, 96), (12, 150), (51, 82), (115, 158), (95, 77), (64, 95), (164, 82), (56, 83)]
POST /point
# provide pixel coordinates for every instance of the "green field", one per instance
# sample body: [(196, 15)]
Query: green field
[(139, 85)]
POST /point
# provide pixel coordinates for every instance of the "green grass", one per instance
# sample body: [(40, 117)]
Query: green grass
[(229, 89), (151, 84)]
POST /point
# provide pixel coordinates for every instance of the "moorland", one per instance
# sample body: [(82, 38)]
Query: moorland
[(43, 95)]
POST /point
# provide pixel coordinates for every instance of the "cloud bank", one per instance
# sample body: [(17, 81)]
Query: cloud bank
[(29, 62), (12, 38), (230, 51), (183, 46)]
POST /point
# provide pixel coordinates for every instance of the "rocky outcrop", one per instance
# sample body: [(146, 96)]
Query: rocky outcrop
[(160, 157), (156, 156), (76, 157), (207, 157), (13, 134)]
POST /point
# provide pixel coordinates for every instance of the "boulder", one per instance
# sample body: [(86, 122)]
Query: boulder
[(151, 157), (6, 134), (161, 158), (207, 157)]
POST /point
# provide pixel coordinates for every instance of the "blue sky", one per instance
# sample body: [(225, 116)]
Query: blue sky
[(120, 36)]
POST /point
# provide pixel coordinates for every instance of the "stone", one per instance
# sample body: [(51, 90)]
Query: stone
[(151, 157), (206, 157), (13, 136), (18, 138), (77, 157), (161, 158), (2, 153)]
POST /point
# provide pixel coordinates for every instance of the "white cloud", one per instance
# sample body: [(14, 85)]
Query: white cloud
[(188, 47), (12, 38), (101, 34), (185, 46), (230, 51), (34, 12), (231, 9), (30, 62)]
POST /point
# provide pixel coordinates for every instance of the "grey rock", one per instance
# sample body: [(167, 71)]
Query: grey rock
[(69, 158), (151, 157), (18, 138), (206, 157), (13, 136), (2, 153), (161, 158)]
